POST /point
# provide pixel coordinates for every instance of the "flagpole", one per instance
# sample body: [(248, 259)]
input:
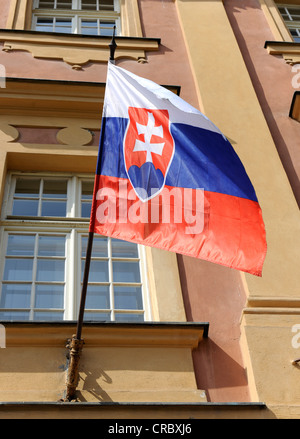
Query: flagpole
[(76, 343), (112, 47)]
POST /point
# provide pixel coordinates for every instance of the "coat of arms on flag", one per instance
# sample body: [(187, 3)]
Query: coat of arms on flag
[(148, 150), (162, 164)]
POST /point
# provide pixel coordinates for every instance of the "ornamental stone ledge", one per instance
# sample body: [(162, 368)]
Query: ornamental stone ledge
[(75, 50), (120, 362), (290, 51), (186, 335)]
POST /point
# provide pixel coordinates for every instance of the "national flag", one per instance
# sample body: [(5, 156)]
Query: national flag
[(167, 177)]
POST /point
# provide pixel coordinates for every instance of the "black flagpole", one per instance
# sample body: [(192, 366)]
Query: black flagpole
[(112, 47), (76, 343)]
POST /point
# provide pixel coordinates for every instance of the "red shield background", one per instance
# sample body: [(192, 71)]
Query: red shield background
[(140, 115)]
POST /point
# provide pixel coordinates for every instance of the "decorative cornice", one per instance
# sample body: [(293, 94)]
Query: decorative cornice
[(272, 305), (55, 98), (184, 335), (289, 50), (75, 50)]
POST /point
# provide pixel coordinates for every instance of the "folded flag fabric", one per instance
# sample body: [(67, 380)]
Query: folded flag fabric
[(167, 177)]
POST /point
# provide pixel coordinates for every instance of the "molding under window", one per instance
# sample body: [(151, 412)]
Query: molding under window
[(122, 362), (289, 50), (76, 50), (153, 334), (57, 101)]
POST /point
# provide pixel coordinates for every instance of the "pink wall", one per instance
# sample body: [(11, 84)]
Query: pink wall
[(215, 294), (4, 8)]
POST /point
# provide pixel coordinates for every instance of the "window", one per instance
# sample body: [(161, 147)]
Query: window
[(291, 17), (44, 233), (86, 17)]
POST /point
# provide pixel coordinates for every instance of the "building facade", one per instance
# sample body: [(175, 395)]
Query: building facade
[(165, 335)]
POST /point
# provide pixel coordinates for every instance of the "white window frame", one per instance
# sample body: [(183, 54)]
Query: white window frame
[(74, 229), (290, 23), (76, 4), (77, 15)]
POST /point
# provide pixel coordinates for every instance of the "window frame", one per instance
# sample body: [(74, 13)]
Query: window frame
[(77, 5), (74, 229), (290, 24), (77, 15)]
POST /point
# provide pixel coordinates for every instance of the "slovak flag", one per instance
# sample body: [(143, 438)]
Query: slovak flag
[(167, 177)]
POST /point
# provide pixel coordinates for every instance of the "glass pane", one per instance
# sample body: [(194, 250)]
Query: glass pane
[(63, 25), (41, 28), (51, 246), (97, 297), (89, 27), (108, 5), (18, 269), (44, 24), (135, 318), (20, 245), (45, 21), (15, 296), (55, 188), (54, 208), (89, 5), (96, 316), (26, 187), (87, 189), (98, 271), (86, 209), (64, 4), (49, 296), (99, 249), (123, 249), (48, 316), (46, 4), (295, 34), (25, 207), (14, 315), (107, 28), (50, 270), (295, 13), (128, 297), (126, 272)]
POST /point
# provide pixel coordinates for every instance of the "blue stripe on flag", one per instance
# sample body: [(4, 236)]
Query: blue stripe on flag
[(202, 159)]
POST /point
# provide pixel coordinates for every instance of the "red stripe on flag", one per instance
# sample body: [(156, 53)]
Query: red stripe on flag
[(215, 227)]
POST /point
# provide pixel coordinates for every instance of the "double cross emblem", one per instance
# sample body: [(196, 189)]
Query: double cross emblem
[(148, 150)]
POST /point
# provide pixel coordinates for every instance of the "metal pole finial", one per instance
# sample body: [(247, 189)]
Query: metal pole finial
[(113, 46)]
